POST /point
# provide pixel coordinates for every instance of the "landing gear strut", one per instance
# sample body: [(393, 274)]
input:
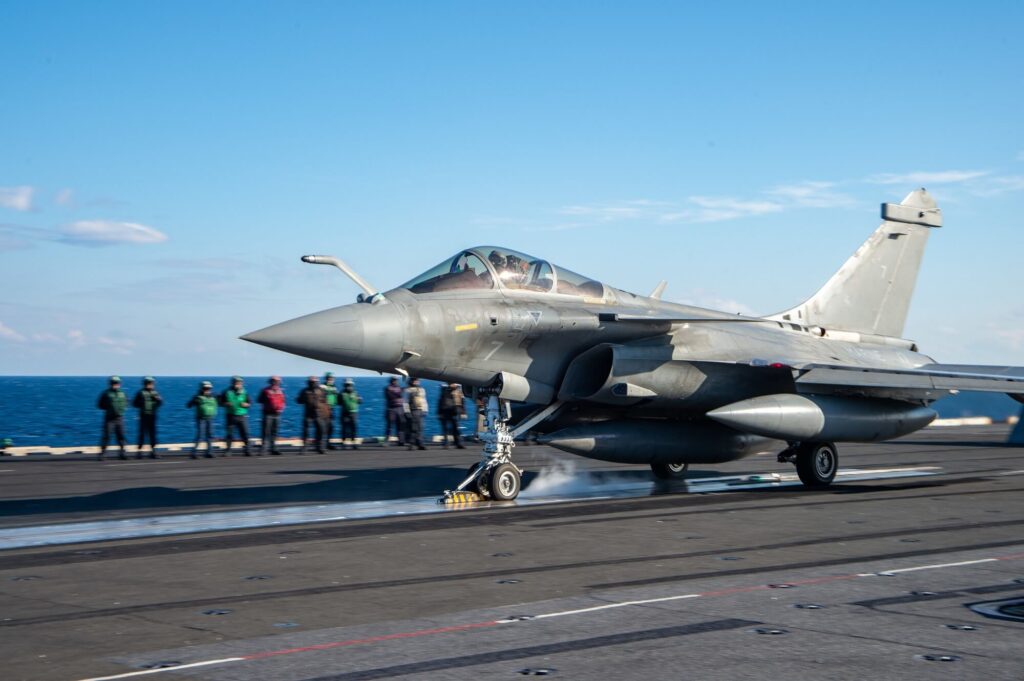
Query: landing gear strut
[(816, 462), (494, 476)]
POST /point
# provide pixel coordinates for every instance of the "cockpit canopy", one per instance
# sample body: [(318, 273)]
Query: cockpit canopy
[(485, 267)]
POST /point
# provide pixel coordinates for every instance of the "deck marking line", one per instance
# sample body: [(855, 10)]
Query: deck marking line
[(141, 672), (480, 625), (607, 606), (937, 566)]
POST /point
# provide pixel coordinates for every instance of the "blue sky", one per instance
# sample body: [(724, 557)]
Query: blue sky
[(164, 165)]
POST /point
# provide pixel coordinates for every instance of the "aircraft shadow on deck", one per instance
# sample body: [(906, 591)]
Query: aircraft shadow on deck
[(344, 485), (369, 485), (374, 484)]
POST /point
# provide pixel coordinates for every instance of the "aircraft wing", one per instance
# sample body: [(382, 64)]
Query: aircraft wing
[(997, 379)]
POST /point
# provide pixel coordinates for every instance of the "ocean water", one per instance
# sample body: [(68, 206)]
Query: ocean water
[(61, 410)]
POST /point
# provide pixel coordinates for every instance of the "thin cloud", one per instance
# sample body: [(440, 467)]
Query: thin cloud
[(17, 198), (925, 178), (15, 238), (65, 197), (812, 194), (1013, 338), (721, 208), (211, 264), (7, 333), (109, 233), (712, 301), (695, 209), (1000, 185), (119, 346), (615, 211)]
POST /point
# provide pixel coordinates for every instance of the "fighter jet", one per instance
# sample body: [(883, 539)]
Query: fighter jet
[(611, 375)]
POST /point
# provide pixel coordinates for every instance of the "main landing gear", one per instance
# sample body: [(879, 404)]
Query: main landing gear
[(670, 471), (816, 462), (494, 476)]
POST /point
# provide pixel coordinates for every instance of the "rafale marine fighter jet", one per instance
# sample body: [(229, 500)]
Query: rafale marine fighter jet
[(615, 376)]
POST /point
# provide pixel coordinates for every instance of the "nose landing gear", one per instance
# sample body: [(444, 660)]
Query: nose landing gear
[(494, 476)]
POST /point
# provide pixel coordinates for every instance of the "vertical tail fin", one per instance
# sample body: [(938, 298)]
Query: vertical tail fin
[(871, 292)]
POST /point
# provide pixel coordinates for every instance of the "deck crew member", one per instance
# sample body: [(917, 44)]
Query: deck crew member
[(272, 399), (113, 402), (394, 411), (417, 403), (236, 404), (314, 398), (451, 408), (147, 401), (350, 401), (331, 390), (205, 406)]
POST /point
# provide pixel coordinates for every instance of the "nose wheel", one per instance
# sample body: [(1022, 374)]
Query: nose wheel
[(504, 482)]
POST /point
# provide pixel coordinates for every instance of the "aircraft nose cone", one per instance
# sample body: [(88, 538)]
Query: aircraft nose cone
[(361, 335)]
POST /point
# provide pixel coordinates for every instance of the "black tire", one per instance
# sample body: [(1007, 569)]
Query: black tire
[(670, 471), (504, 482), (817, 463)]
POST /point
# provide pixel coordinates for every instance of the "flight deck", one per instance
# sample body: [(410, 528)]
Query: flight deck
[(344, 566)]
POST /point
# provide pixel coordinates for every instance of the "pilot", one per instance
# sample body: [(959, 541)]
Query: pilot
[(498, 260), (147, 401), (332, 401), (316, 415), (113, 402), (394, 411), (350, 401), (416, 397), (236, 402), (451, 407)]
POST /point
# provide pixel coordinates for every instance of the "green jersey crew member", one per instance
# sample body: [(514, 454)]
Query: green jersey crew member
[(331, 391), (147, 401), (205, 405), (113, 402), (350, 401), (236, 404)]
